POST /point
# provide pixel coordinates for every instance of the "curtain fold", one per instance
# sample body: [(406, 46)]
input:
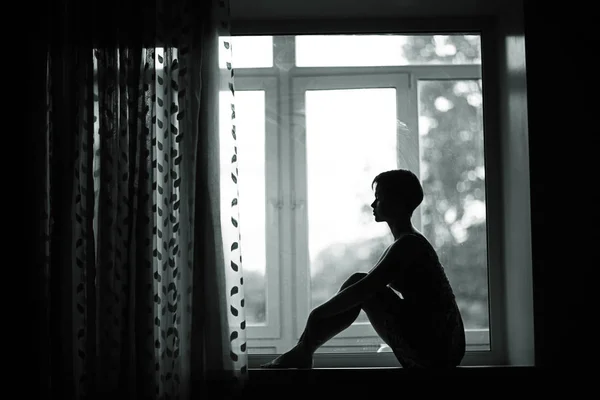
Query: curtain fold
[(141, 279), (223, 326)]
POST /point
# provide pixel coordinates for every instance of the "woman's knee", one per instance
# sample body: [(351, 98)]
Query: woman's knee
[(355, 277)]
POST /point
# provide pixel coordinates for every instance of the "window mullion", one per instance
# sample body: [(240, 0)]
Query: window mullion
[(407, 103), (283, 53), (299, 209), (274, 207)]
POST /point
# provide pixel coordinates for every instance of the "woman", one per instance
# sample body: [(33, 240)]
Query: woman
[(406, 295)]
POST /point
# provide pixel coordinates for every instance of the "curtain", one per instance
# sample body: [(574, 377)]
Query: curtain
[(139, 281)]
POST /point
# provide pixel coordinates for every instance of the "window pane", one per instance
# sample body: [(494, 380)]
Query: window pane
[(250, 133), (246, 51), (453, 176), (386, 50), (350, 137)]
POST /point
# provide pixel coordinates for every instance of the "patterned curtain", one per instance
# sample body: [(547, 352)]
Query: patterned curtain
[(141, 282)]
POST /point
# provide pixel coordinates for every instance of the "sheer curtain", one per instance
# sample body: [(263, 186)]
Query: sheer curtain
[(141, 283)]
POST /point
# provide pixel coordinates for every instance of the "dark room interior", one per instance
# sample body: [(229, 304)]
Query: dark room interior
[(546, 181)]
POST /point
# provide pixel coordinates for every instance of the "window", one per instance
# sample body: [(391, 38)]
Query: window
[(317, 117)]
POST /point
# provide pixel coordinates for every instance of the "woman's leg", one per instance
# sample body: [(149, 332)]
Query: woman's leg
[(316, 333), (392, 321), (414, 342), (410, 341)]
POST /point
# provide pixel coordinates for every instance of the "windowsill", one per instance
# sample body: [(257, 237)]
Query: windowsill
[(373, 379), (483, 369), (385, 360)]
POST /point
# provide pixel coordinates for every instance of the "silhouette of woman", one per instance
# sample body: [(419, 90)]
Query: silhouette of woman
[(423, 326)]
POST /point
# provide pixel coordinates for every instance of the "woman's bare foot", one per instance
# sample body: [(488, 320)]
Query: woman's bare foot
[(295, 358)]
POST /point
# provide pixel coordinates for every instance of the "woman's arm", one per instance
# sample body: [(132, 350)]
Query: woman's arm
[(400, 254)]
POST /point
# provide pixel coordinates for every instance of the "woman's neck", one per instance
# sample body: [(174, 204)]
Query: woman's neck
[(401, 227)]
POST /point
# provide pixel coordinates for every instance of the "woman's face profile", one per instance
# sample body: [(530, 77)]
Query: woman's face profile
[(383, 209), (378, 212)]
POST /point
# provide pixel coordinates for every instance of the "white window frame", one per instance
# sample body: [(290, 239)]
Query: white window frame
[(302, 82), (288, 285), (271, 329)]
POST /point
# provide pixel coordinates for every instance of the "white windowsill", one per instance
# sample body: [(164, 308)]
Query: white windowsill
[(371, 360)]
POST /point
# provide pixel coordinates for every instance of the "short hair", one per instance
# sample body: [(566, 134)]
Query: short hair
[(401, 185)]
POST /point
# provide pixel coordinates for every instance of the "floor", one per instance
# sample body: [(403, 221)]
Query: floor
[(463, 381)]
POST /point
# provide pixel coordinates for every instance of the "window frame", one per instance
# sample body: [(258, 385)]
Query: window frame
[(303, 81), (290, 310), (272, 327)]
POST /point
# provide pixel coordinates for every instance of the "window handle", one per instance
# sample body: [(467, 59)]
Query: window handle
[(297, 204), (277, 203)]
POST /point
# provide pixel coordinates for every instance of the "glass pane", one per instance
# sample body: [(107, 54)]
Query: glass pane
[(386, 50), (250, 133), (350, 137), (453, 176), (246, 51)]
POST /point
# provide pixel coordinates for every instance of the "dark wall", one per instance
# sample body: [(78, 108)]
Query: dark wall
[(561, 129)]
